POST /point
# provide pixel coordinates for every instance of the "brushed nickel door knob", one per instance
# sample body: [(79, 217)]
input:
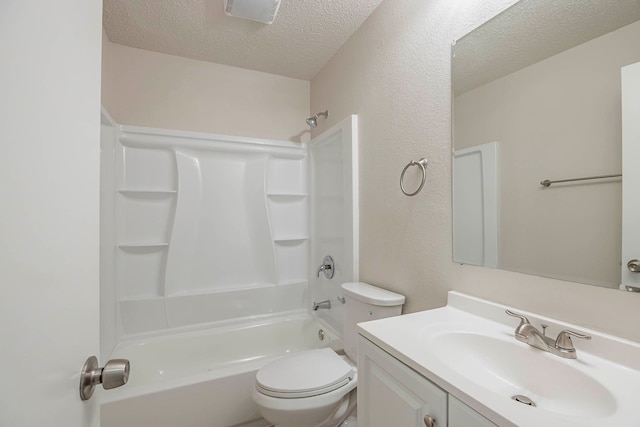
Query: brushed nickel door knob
[(115, 373), (634, 266), (429, 421)]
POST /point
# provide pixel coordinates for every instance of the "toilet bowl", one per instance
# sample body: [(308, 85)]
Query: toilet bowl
[(312, 388), (317, 388)]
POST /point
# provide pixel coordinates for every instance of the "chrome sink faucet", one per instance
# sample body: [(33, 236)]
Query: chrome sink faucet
[(562, 346)]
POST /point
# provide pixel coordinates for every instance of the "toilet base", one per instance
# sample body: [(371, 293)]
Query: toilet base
[(327, 415)]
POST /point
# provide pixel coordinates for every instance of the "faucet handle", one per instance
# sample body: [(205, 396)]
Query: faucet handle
[(524, 328), (326, 267), (563, 341), (522, 317)]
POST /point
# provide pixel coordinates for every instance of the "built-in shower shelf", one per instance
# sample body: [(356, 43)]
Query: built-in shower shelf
[(286, 196), (286, 239), (143, 245), (143, 298), (146, 192)]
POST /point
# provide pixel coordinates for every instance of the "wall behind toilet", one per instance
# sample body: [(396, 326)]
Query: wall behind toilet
[(394, 72)]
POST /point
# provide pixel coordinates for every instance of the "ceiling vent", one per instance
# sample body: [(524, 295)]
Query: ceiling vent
[(256, 10)]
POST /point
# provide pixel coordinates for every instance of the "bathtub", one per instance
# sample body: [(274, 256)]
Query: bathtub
[(204, 378)]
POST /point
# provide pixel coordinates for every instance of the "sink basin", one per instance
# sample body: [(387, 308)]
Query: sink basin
[(505, 366)]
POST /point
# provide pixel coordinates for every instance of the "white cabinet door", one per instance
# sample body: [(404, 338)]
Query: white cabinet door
[(460, 415), (391, 394)]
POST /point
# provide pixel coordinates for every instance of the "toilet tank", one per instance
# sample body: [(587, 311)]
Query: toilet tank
[(364, 302)]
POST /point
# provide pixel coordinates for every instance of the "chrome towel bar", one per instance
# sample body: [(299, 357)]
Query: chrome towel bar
[(547, 183), (422, 163)]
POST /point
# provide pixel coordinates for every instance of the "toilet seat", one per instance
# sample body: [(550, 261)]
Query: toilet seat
[(305, 374)]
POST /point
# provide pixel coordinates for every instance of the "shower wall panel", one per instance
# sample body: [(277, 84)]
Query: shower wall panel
[(209, 228), (333, 163)]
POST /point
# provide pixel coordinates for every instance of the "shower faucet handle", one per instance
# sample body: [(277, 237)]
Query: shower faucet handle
[(327, 267)]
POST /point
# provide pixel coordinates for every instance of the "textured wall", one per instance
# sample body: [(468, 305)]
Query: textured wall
[(200, 29), (394, 73), (156, 90), (106, 93)]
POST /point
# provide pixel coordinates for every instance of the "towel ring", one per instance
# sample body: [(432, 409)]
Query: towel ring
[(423, 166)]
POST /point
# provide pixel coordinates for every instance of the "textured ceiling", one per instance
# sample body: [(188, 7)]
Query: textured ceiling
[(304, 37), (531, 31)]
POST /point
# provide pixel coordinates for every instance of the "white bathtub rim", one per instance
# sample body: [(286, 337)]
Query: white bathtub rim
[(233, 368), (158, 387), (222, 326)]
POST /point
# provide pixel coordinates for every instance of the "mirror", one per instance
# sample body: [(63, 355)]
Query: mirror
[(537, 95)]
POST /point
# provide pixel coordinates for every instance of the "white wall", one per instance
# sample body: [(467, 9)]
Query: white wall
[(394, 73), (144, 88), (49, 178), (576, 96)]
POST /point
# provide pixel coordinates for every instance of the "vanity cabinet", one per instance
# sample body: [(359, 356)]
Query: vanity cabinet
[(392, 394), (461, 415)]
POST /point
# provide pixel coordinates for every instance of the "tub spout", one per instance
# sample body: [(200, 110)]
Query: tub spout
[(326, 304)]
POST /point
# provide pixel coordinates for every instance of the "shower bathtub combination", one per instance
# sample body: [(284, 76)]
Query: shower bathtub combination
[(206, 250)]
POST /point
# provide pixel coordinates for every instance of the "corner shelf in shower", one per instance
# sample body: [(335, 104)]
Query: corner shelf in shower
[(141, 192), (286, 196), (286, 239), (159, 245)]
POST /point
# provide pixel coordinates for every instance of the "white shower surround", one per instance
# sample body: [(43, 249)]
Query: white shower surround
[(208, 228)]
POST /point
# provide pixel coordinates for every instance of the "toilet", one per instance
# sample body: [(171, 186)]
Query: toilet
[(317, 388)]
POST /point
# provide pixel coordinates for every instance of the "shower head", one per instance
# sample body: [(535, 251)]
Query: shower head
[(313, 121)]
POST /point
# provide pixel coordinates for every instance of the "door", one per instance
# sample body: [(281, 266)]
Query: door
[(476, 205), (49, 182), (631, 174)]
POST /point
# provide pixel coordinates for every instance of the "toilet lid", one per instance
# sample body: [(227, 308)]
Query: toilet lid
[(305, 374)]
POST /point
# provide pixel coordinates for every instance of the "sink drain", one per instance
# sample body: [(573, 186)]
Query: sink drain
[(523, 399)]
